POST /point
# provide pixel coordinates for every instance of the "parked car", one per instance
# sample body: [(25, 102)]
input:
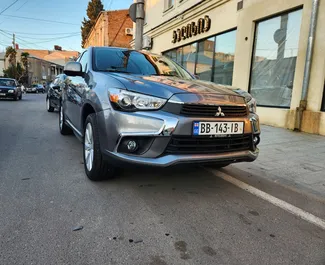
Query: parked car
[(9, 88), (36, 88), (54, 93), (134, 107)]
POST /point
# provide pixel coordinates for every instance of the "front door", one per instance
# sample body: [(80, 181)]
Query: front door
[(76, 89)]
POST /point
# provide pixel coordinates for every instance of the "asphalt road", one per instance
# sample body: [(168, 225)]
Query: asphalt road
[(153, 216)]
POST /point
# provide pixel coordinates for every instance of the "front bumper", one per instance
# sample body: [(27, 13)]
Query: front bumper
[(170, 160), (8, 95), (160, 126)]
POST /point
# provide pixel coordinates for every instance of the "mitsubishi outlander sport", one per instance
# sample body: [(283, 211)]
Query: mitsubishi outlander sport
[(135, 107)]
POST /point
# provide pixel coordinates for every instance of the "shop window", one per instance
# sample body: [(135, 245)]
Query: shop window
[(189, 56), (205, 59), (274, 59), (224, 57)]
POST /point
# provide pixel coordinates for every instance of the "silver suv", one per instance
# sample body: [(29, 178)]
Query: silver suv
[(134, 107)]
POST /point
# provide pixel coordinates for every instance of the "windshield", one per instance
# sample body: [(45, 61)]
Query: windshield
[(7, 82), (134, 62)]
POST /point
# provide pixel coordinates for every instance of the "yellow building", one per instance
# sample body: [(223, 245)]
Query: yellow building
[(257, 45)]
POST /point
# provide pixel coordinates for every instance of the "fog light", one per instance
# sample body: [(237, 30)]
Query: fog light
[(256, 140), (132, 145)]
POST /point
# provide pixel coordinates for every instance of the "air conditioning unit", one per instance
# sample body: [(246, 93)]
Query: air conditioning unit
[(129, 31)]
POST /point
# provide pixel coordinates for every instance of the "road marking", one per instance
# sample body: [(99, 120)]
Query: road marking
[(267, 197)]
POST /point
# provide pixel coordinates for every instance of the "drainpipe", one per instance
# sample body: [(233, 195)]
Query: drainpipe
[(308, 60)]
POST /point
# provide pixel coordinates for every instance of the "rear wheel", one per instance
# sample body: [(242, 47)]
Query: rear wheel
[(95, 166), (48, 105), (64, 128)]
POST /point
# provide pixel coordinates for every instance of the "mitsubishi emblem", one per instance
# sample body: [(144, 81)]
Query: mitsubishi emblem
[(219, 113)]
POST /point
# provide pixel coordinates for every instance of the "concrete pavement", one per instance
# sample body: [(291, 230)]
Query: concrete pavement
[(171, 216), (292, 159)]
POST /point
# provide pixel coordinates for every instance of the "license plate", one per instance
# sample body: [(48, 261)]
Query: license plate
[(2, 94), (217, 128)]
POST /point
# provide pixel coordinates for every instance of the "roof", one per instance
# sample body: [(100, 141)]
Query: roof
[(37, 53)]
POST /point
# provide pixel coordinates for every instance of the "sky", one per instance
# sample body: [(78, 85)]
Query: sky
[(40, 34)]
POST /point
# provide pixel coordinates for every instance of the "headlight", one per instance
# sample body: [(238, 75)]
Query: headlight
[(131, 101), (250, 101), (11, 91), (252, 105)]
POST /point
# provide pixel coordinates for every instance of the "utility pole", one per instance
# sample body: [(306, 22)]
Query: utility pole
[(139, 24)]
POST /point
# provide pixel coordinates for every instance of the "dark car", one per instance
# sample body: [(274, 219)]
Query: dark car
[(54, 93), (9, 88), (134, 107), (36, 88)]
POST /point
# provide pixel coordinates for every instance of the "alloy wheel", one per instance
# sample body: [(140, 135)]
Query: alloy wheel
[(89, 147)]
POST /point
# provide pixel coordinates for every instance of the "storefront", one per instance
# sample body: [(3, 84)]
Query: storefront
[(251, 44)]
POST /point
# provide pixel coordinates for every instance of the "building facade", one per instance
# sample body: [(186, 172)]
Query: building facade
[(43, 65), (42, 71), (112, 28), (251, 44)]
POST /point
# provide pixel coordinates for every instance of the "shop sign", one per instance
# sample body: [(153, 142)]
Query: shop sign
[(192, 29)]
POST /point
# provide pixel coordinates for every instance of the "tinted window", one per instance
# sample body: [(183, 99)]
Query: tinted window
[(135, 62)]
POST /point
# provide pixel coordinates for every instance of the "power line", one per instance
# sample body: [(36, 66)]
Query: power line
[(39, 19), (41, 34), (8, 7), (22, 5)]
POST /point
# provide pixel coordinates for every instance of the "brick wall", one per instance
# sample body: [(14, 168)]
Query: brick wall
[(118, 21)]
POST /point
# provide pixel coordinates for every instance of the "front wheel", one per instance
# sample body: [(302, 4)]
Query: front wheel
[(48, 105), (95, 166), (21, 96)]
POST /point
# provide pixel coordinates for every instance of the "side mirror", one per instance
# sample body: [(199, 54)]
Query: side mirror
[(56, 87), (73, 69), (197, 76)]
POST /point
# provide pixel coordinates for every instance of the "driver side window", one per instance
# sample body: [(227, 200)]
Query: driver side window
[(84, 61)]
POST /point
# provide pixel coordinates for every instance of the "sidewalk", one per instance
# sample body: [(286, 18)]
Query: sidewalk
[(290, 158)]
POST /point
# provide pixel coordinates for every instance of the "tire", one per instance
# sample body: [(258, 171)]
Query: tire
[(21, 96), (96, 167), (15, 98), (64, 128), (48, 105)]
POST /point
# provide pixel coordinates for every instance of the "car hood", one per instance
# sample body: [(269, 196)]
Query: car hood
[(167, 86)]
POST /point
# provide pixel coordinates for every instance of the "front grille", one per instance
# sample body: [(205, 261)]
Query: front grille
[(207, 145), (197, 110)]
